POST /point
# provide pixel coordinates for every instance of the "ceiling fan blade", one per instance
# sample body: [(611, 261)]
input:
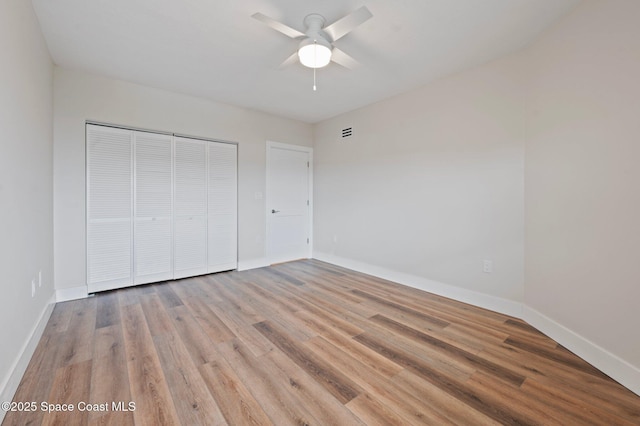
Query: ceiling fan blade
[(347, 24), (290, 60), (341, 58), (278, 26)]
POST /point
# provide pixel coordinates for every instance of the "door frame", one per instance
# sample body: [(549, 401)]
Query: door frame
[(309, 151)]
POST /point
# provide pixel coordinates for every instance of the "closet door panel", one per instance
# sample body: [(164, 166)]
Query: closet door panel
[(153, 207), (191, 246), (109, 206), (109, 255), (190, 207), (222, 207)]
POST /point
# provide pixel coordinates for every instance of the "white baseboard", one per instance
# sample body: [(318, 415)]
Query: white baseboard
[(244, 265), (620, 370), (493, 303), (72, 293), (10, 386), (613, 366)]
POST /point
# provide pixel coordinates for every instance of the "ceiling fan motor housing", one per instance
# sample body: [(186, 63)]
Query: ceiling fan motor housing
[(315, 23)]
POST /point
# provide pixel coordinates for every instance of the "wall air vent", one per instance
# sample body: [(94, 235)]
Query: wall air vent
[(347, 133)]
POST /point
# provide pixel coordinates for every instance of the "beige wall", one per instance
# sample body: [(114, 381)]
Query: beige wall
[(582, 180), (431, 183), (434, 182), (26, 194), (81, 96)]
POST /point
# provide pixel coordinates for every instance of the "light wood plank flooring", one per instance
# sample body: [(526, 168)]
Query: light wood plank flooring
[(306, 343)]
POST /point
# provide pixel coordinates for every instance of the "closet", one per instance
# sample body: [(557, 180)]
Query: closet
[(159, 207)]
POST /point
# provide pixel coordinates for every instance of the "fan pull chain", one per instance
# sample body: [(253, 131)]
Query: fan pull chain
[(315, 62)]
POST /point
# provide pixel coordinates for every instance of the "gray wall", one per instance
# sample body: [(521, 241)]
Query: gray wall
[(26, 193), (534, 157), (582, 176), (431, 183)]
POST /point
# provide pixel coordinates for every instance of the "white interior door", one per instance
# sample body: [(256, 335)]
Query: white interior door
[(190, 207), (153, 251), (288, 202)]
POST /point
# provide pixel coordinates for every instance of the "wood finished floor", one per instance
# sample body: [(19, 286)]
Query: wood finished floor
[(307, 343)]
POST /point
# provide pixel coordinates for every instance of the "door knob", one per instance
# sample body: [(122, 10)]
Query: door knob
[(275, 211)]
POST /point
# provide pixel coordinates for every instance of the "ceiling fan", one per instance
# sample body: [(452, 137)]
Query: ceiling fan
[(317, 47)]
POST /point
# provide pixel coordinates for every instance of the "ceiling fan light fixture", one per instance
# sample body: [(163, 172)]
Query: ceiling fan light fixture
[(314, 53)]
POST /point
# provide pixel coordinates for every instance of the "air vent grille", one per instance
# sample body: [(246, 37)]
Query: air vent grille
[(347, 132)]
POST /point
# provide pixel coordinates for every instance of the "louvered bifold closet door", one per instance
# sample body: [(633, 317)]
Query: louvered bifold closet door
[(153, 252), (109, 207), (223, 207), (190, 207)]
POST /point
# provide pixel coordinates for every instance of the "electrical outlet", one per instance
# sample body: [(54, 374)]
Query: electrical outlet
[(33, 288), (487, 266)]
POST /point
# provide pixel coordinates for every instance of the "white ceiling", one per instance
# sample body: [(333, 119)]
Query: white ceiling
[(214, 49)]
